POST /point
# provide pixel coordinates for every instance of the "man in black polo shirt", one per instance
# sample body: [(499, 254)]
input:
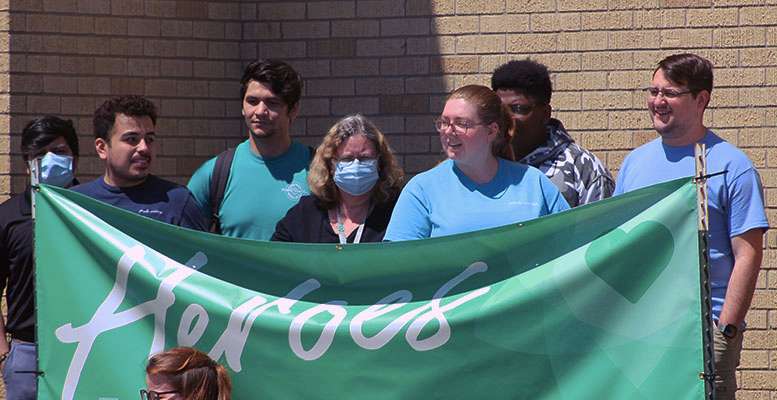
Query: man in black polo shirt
[(54, 141)]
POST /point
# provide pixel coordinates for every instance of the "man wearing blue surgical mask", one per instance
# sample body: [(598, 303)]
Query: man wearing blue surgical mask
[(54, 142)]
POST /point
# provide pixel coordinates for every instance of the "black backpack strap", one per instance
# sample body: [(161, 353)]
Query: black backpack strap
[(218, 185), (312, 153)]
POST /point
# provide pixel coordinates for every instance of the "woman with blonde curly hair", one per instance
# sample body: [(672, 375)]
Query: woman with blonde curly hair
[(478, 186), (184, 373), (354, 180)]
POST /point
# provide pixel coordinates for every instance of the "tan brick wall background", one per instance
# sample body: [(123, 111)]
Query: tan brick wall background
[(68, 56), (394, 61)]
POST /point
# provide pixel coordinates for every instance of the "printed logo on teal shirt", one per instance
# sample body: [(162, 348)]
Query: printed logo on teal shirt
[(294, 191)]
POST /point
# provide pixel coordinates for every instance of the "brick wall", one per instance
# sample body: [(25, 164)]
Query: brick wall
[(68, 56), (5, 101), (394, 61), (379, 58), (5, 165)]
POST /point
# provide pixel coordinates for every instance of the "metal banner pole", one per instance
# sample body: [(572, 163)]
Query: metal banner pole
[(34, 167), (703, 228)]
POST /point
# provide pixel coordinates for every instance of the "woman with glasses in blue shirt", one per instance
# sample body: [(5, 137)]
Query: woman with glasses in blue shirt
[(478, 186)]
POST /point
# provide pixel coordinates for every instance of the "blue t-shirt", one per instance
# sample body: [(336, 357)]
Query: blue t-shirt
[(443, 201), (735, 203), (259, 191), (155, 198)]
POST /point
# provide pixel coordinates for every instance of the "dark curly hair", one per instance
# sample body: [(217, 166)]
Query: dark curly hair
[(134, 106), (527, 76), (39, 132), (283, 80)]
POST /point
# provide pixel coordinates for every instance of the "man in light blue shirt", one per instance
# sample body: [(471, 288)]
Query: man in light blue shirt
[(677, 98)]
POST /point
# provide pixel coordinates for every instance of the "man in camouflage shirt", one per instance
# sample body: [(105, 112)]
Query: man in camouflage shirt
[(542, 141)]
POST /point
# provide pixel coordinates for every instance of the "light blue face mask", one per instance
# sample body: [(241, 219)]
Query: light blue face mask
[(56, 170), (356, 177)]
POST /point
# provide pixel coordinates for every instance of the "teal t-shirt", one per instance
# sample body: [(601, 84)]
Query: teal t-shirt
[(259, 191)]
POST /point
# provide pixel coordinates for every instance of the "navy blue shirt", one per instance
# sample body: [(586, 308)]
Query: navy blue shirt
[(155, 198)]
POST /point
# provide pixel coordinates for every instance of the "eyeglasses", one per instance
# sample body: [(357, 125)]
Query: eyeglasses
[(667, 93), (522, 109), (459, 125), (153, 395), (360, 158)]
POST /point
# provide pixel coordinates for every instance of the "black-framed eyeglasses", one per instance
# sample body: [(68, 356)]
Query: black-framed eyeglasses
[(459, 125), (667, 93), (522, 109), (153, 395)]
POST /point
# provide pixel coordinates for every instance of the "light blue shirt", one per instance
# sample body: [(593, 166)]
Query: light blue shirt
[(443, 201), (735, 198)]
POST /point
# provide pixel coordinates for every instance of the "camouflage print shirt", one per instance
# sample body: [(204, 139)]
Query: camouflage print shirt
[(577, 173)]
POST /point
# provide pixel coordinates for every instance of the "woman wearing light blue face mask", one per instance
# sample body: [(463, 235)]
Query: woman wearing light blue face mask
[(355, 180)]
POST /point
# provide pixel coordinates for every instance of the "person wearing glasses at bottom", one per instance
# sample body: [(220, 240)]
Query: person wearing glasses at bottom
[(185, 373), (542, 141), (355, 181), (478, 186)]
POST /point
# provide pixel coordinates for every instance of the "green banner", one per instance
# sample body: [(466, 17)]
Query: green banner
[(600, 302)]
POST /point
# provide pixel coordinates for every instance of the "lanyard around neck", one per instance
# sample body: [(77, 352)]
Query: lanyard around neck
[(341, 229)]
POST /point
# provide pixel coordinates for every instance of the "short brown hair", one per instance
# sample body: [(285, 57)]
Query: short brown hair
[(689, 70), (320, 177)]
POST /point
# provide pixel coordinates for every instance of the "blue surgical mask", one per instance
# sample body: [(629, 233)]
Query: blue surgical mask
[(356, 177), (56, 170)]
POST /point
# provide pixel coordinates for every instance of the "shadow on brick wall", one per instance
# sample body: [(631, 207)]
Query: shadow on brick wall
[(66, 58), (381, 58), (377, 58)]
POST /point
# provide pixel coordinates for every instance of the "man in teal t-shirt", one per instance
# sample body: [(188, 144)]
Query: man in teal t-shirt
[(269, 171)]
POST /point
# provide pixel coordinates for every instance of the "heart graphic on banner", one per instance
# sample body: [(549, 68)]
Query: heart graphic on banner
[(631, 262)]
